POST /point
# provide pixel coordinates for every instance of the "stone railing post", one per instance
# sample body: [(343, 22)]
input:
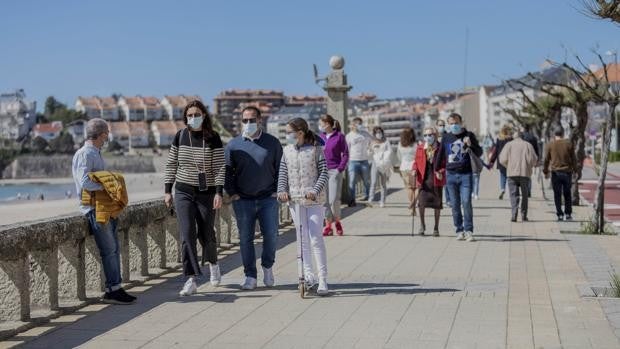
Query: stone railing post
[(14, 286)]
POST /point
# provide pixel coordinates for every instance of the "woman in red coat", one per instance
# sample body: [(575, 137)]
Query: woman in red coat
[(429, 180)]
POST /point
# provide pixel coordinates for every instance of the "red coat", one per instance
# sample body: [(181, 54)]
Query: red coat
[(419, 166)]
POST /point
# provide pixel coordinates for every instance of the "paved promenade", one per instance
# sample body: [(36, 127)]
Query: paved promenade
[(520, 285)]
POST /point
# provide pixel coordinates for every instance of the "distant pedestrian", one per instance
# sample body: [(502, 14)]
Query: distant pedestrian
[(430, 177), (302, 180), (358, 141), (559, 164), (519, 158), (505, 136), (381, 168), (440, 126), (252, 166), (336, 156), (196, 167), (406, 154), (529, 137), (457, 148)]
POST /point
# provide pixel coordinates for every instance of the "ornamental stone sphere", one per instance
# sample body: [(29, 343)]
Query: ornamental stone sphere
[(336, 62)]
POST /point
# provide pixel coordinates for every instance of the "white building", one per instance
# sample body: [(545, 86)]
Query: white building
[(163, 132), (173, 106), (393, 117), (17, 115), (47, 131), (98, 107), (276, 125)]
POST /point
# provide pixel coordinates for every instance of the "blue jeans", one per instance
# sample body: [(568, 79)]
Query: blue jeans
[(476, 179), (107, 243), (247, 211), (502, 181), (459, 186), (361, 168)]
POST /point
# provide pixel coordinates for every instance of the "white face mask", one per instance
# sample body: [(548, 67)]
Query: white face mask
[(249, 129), (321, 128), (291, 138), (379, 135), (195, 122), (441, 129), (361, 128)]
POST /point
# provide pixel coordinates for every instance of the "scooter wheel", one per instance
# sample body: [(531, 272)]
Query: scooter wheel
[(302, 290)]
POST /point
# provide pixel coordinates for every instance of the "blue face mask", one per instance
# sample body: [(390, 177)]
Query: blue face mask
[(194, 122), (456, 128), (429, 139), (291, 138)]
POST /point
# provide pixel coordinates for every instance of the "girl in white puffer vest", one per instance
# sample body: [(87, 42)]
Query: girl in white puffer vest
[(302, 180)]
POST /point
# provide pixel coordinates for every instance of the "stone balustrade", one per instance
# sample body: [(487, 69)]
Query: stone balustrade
[(51, 267)]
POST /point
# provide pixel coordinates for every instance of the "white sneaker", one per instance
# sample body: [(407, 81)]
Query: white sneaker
[(249, 283), (382, 204), (322, 290), (268, 278), (460, 236), (216, 276), (189, 288), (469, 236), (311, 281)]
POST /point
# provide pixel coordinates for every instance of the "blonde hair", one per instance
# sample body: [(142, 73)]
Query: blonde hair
[(505, 132), (431, 129)]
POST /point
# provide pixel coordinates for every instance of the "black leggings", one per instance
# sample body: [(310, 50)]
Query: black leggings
[(193, 210)]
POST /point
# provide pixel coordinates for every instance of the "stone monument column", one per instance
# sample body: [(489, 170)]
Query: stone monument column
[(338, 104), (336, 87)]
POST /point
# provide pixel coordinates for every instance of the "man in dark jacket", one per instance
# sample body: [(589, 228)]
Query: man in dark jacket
[(252, 166), (456, 148)]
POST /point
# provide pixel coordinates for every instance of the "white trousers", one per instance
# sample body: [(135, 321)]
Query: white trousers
[(309, 227)]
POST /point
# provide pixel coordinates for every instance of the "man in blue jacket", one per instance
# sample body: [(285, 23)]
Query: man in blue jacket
[(252, 166), (457, 146)]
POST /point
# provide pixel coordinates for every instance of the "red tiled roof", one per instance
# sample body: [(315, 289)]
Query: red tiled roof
[(119, 128), (49, 127), (91, 102), (133, 102), (613, 72), (165, 127), (138, 128)]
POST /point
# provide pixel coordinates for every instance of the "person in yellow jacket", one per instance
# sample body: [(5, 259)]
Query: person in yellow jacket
[(100, 208)]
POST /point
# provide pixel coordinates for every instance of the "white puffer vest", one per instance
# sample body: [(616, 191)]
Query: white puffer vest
[(303, 172)]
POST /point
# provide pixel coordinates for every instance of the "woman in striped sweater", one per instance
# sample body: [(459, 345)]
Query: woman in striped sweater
[(196, 164), (302, 179)]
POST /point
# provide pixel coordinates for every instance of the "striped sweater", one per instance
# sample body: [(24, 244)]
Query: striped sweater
[(308, 171), (183, 159)]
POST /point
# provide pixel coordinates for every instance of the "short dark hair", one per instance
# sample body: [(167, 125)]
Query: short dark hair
[(251, 107), (558, 131), (358, 119), (456, 116), (438, 120)]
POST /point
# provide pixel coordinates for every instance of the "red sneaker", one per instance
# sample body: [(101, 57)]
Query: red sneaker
[(339, 230), (327, 230)]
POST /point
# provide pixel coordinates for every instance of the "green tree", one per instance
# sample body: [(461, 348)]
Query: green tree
[(51, 106), (62, 144)]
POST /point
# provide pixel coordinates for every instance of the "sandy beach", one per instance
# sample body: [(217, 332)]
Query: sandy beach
[(140, 186)]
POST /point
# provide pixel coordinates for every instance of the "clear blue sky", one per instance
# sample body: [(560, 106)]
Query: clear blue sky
[(393, 48)]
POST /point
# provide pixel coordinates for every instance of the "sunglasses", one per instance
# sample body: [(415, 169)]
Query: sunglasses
[(251, 121), (196, 115)]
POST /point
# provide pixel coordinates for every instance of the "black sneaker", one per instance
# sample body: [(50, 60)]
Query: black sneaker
[(568, 218), (352, 203), (117, 297), (133, 298), (501, 195), (524, 218), (560, 218)]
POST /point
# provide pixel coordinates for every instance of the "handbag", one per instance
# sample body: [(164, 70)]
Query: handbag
[(476, 162)]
